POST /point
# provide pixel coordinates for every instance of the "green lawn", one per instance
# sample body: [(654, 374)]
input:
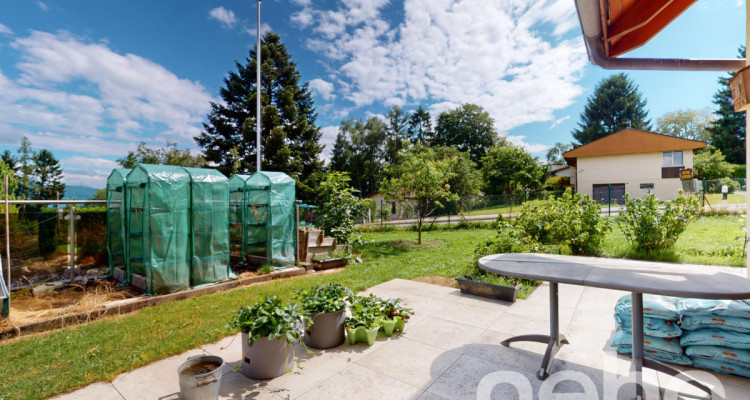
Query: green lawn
[(709, 240), (43, 366), (715, 198)]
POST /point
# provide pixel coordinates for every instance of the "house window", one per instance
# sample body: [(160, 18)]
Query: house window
[(672, 159), (393, 207)]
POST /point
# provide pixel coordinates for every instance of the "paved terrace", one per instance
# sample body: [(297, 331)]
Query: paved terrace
[(449, 346)]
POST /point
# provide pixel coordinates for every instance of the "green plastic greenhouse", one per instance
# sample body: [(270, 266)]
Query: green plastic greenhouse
[(209, 208), (268, 216), (236, 206), (177, 224), (116, 221)]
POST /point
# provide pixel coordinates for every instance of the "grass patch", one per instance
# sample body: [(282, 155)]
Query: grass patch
[(715, 198), (49, 364), (714, 240)]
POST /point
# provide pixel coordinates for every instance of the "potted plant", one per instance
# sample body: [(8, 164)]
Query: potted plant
[(365, 321), (269, 331), (395, 317), (481, 283), (325, 305)]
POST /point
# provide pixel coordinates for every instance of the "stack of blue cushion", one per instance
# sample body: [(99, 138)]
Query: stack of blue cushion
[(661, 340), (717, 334)]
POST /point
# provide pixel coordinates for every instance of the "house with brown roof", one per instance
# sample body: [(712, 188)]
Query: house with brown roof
[(631, 161)]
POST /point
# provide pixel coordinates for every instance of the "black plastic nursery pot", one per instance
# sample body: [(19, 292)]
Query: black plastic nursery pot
[(266, 359), (326, 331), (499, 292)]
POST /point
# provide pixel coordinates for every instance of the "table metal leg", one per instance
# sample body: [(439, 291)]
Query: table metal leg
[(554, 340), (637, 356), (639, 362)]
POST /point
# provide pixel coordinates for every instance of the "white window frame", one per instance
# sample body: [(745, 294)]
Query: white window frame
[(671, 162)]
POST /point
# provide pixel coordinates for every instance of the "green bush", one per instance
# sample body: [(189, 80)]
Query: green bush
[(339, 208), (648, 229), (570, 220), (739, 171)]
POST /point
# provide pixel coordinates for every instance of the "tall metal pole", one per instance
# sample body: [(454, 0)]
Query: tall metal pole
[(258, 95), (7, 232)]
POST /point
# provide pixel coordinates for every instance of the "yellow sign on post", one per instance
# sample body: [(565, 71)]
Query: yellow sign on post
[(686, 174)]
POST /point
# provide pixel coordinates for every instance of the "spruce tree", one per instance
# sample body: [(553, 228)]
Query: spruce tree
[(25, 169), (8, 159), (727, 133), (398, 122), (615, 105), (47, 176), (290, 136), (420, 127)]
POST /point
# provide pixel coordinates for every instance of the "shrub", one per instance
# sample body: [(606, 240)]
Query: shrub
[(570, 220), (739, 171), (648, 229), (340, 208)]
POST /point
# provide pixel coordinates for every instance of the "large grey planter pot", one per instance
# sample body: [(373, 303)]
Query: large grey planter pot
[(326, 331), (266, 359)]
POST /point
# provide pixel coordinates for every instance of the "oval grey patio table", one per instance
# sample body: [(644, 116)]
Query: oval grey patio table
[(637, 277)]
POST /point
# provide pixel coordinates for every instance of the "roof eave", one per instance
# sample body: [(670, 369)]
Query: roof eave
[(589, 16)]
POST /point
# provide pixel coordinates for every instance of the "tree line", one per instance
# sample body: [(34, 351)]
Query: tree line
[(32, 175)]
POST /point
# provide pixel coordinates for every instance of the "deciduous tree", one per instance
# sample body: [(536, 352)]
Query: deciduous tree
[(712, 165), (469, 128), (686, 124), (422, 179), (168, 155), (507, 169), (359, 151), (554, 153)]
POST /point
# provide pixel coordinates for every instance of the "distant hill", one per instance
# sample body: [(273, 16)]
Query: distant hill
[(79, 192)]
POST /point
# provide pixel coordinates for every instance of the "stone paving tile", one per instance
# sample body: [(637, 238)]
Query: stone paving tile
[(568, 295), (447, 335), (520, 356), (229, 349), (156, 380), (418, 288), (361, 383), (430, 396), (517, 324), (95, 391), (462, 380), (309, 371), (415, 363), (235, 386), (476, 301), (471, 315)]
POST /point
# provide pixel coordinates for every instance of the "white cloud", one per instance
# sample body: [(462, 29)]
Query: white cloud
[(42, 5), (533, 148), (327, 138), (253, 31), (559, 121), (509, 57), (81, 97), (89, 162), (323, 88), (5, 30), (224, 16)]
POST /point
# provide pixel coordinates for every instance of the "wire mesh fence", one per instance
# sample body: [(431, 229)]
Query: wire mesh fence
[(40, 242)]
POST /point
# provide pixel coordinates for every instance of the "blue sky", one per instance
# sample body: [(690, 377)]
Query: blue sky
[(90, 79)]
